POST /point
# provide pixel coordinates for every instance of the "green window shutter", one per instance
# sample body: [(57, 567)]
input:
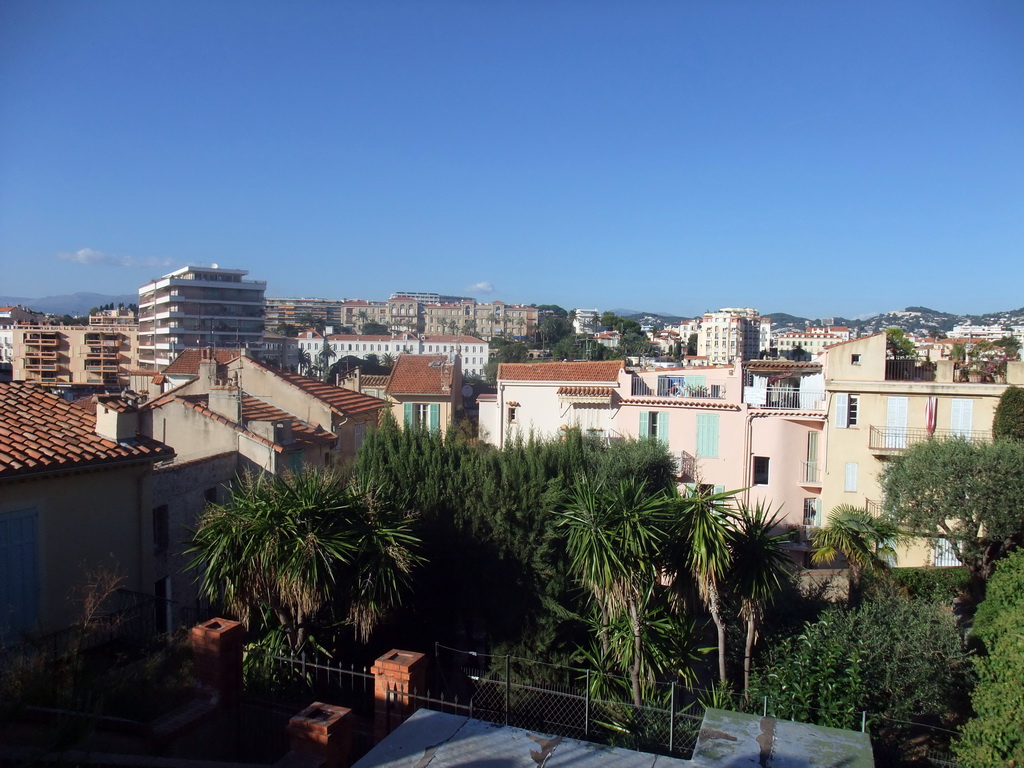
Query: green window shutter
[(719, 489), (707, 435), (691, 488), (435, 417), (408, 420), (645, 424), (19, 573), (663, 427)]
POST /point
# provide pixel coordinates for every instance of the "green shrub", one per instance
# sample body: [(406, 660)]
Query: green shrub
[(931, 584), (1008, 421)]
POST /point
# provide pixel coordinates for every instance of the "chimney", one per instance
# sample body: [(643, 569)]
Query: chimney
[(208, 368), (115, 419), (226, 400)]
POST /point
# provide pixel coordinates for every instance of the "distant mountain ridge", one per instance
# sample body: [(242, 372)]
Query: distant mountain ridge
[(69, 304)]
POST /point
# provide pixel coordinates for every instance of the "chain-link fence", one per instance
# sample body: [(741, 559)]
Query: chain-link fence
[(569, 702)]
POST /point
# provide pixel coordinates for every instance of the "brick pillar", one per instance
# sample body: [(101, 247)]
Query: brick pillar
[(401, 672), (217, 652), (323, 732)]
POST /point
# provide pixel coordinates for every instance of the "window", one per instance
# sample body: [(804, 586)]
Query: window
[(161, 529), (654, 424), (512, 409), (761, 470), (846, 410), (850, 484), (707, 435), (426, 415), (854, 359), (961, 417), (943, 555), (812, 511), (19, 577)]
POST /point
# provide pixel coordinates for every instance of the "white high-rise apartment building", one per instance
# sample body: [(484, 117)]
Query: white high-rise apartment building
[(733, 334), (198, 307)]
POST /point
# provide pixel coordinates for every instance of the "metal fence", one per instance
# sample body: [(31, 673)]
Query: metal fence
[(563, 701)]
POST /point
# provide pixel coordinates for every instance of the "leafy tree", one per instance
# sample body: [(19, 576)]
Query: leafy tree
[(898, 344), (1009, 417), (554, 309), (995, 736), (1009, 346), (284, 548), (893, 657), (760, 566), (691, 344), (866, 542), (970, 494), (373, 329)]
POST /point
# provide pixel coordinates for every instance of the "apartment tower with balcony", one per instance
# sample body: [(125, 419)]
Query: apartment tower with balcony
[(732, 335), (205, 307)]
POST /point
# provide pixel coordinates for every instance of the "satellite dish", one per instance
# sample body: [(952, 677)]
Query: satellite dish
[(466, 390)]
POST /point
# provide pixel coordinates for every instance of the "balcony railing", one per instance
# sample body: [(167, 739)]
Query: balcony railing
[(873, 508), (900, 438), (30, 366), (677, 387), (810, 473), (785, 398), (909, 369), (42, 340)]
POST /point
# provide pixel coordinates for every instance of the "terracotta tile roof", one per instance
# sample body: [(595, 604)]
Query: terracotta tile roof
[(421, 375), (707, 405), (40, 432), (373, 381), (594, 371), (343, 402), (254, 409), (367, 337), (187, 363), (586, 391), (781, 365)]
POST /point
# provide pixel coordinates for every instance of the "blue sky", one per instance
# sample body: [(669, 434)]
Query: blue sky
[(813, 157)]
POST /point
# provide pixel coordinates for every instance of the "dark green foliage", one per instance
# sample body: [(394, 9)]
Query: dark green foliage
[(971, 494), (932, 584), (893, 657), (496, 562), (1009, 418), (995, 736)]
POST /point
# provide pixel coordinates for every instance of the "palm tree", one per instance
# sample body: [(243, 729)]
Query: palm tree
[(865, 541), (305, 362), (700, 548), (283, 548), (324, 358), (387, 360), (760, 565), (614, 535)]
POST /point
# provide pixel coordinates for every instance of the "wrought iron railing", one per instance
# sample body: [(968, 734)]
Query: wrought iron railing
[(901, 438)]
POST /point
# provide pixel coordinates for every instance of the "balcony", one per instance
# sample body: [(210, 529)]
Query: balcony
[(909, 369), (102, 354), (102, 367), (683, 388), (810, 473), (886, 441), (686, 467), (42, 339), (39, 366), (785, 398), (873, 508)]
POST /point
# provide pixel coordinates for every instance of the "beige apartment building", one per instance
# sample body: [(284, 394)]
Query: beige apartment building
[(878, 407), (811, 341), (67, 357), (733, 334)]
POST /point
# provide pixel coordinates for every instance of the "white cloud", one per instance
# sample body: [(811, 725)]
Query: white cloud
[(97, 258), (481, 287)]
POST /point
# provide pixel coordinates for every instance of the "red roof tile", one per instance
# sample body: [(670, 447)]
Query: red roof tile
[(343, 402), (594, 371), (187, 363), (586, 391), (40, 431), (421, 375)]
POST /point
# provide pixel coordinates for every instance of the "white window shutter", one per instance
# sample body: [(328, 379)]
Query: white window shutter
[(851, 476), (842, 410)]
